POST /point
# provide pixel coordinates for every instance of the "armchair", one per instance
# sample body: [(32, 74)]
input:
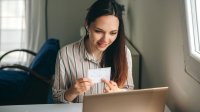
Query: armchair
[(30, 85)]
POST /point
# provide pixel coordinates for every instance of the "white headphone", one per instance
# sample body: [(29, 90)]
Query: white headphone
[(86, 27)]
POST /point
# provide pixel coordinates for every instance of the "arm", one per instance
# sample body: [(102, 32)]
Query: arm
[(62, 92), (82, 85), (59, 85)]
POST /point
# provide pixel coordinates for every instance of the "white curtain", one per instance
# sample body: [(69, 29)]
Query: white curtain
[(12, 30), (17, 33), (36, 34)]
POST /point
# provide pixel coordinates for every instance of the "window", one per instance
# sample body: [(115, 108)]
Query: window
[(192, 49), (12, 28), (193, 15)]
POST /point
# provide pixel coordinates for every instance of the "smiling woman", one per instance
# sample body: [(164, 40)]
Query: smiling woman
[(102, 46)]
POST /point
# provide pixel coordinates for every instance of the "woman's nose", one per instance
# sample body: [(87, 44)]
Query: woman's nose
[(106, 37)]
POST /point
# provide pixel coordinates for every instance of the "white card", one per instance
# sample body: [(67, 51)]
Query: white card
[(100, 73)]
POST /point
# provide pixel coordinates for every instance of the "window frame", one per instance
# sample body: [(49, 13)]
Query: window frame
[(192, 58)]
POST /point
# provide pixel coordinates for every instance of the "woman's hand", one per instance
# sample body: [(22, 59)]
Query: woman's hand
[(81, 85), (111, 86)]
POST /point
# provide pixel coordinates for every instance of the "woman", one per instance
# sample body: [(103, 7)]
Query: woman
[(102, 46)]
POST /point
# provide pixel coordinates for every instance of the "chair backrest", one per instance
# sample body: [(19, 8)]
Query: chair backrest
[(44, 65), (44, 62)]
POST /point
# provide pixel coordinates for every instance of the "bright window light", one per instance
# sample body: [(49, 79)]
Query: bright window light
[(193, 22), (12, 28)]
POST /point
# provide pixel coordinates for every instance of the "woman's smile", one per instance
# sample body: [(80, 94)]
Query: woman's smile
[(102, 44)]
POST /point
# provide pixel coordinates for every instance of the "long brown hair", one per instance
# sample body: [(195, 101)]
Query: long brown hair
[(115, 54)]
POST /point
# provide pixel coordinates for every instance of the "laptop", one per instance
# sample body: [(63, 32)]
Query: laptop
[(141, 100)]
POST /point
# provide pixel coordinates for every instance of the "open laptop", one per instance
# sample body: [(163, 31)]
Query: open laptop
[(141, 100)]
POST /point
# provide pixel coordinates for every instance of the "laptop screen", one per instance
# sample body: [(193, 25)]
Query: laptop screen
[(141, 100)]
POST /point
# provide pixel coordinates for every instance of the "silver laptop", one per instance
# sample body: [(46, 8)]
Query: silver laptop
[(141, 100)]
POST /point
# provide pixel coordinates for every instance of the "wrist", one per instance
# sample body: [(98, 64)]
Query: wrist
[(70, 94)]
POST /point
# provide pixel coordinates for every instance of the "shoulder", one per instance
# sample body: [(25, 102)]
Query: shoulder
[(128, 52), (71, 46), (68, 49)]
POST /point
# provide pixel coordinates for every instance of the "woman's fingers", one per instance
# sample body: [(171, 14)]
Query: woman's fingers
[(107, 89), (83, 84), (111, 86), (84, 80), (107, 83), (113, 83)]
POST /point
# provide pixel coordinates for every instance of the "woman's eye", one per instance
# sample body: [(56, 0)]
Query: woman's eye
[(113, 33), (97, 31)]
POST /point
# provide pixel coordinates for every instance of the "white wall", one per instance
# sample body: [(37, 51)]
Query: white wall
[(157, 31), (65, 17)]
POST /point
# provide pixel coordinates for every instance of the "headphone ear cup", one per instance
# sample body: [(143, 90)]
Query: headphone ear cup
[(86, 28)]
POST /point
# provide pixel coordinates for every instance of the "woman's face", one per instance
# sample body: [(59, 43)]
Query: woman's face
[(103, 32)]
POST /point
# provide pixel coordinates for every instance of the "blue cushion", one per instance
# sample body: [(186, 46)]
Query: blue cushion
[(44, 62), (13, 85)]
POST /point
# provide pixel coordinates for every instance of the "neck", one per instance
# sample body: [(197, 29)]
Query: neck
[(97, 55)]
